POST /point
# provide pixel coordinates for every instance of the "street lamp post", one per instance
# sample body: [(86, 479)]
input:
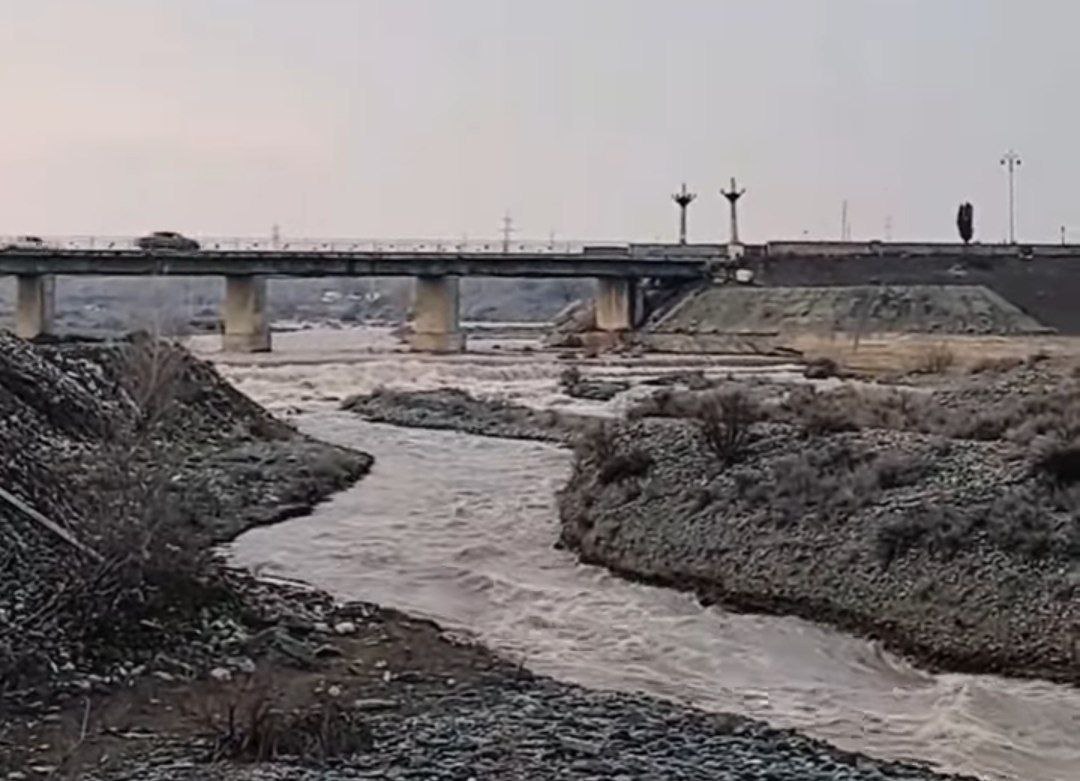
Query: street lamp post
[(683, 199), (733, 196), (1011, 161)]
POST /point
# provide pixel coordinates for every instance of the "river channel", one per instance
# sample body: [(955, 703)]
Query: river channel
[(459, 529)]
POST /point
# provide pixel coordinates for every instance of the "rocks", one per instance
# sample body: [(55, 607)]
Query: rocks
[(539, 729)]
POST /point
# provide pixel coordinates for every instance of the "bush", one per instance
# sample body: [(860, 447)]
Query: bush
[(665, 403), (724, 420), (596, 443), (624, 466), (821, 368), (1059, 461), (935, 359), (569, 377), (996, 365), (850, 409), (252, 728)]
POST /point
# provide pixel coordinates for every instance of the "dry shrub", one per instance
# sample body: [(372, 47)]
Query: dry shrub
[(569, 377), (935, 359), (725, 420), (1059, 461), (596, 442), (252, 727), (599, 446), (999, 365), (821, 369), (625, 466), (1033, 521), (826, 483), (665, 403), (850, 408)]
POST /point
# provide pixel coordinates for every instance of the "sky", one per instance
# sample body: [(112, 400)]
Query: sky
[(433, 118)]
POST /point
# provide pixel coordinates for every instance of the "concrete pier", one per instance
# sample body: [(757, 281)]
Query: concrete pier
[(35, 305), (246, 325), (435, 326), (616, 304)]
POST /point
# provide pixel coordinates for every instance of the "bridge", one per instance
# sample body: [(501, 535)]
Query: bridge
[(438, 266), (246, 264)]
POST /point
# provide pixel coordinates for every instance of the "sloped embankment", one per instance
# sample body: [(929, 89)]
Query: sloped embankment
[(944, 309), (948, 526), (124, 462)]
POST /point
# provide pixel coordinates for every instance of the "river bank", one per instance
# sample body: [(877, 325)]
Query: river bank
[(941, 520), (173, 666), (959, 549), (399, 698)]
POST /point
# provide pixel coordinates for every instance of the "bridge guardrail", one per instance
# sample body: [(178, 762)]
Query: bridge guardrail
[(256, 244)]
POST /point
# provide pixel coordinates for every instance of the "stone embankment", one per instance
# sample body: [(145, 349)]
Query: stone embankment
[(945, 523)]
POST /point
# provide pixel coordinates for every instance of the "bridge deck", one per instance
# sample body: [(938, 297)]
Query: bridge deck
[(603, 263)]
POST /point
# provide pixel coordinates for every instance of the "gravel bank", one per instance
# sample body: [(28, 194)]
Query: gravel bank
[(135, 458), (948, 543), (542, 730), (434, 709), (451, 408)]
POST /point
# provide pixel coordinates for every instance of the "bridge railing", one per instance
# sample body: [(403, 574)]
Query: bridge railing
[(287, 244)]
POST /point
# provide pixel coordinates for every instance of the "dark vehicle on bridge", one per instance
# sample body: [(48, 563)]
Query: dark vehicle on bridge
[(167, 240), (24, 242)]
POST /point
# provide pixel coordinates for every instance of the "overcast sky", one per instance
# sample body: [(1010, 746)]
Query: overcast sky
[(410, 118)]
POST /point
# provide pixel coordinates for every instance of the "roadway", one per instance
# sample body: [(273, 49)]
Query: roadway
[(599, 262)]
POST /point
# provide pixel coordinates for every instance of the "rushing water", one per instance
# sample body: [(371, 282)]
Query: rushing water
[(460, 529)]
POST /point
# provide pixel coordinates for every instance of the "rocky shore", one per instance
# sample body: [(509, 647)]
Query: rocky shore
[(943, 521), (370, 693)]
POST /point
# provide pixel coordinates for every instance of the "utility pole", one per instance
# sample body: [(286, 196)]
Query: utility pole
[(733, 196), (683, 199), (507, 231), (888, 227), (275, 236), (1063, 235), (1011, 161), (845, 229)]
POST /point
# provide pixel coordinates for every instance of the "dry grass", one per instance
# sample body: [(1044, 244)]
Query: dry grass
[(253, 726), (934, 359)]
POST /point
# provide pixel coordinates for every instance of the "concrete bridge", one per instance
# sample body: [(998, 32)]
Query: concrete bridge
[(437, 268)]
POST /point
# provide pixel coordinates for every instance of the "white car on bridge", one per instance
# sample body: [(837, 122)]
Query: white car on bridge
[(24, 242)]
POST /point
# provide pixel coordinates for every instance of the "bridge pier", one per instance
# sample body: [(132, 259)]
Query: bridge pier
[(436, 327), (246, 326), (35, 305), (616, 303)]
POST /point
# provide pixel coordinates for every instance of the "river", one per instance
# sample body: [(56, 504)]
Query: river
[(459, 529)]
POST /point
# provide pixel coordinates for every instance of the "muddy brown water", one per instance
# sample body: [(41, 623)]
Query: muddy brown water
[(460, 528)]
